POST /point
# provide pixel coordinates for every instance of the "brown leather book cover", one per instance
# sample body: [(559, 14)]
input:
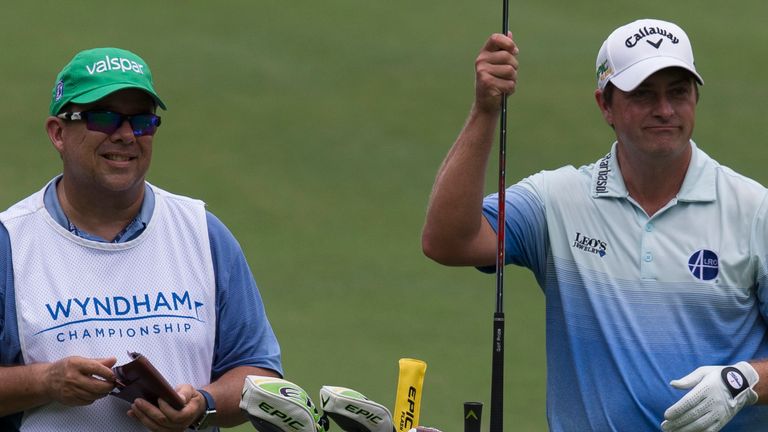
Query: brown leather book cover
[(140, 379)]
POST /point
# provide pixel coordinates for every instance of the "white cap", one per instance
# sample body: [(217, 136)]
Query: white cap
[(635, 51)]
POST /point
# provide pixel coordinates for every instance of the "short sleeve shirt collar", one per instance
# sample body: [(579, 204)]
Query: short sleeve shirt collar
[(130, 232), (698, 184)]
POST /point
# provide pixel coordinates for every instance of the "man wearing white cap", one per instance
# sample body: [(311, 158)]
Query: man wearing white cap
[(653, 259)]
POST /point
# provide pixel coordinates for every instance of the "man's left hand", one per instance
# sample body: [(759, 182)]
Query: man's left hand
[(718, 393)]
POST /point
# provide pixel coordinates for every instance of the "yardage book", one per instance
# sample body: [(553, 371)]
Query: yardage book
[(140, 379)]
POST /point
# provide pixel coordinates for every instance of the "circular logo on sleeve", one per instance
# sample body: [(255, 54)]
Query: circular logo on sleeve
[(703, 265)]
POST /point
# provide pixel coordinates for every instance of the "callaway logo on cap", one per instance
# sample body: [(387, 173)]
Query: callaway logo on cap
[(95, 73), (635, 51)]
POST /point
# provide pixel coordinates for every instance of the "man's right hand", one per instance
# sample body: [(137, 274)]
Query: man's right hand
[(79, 381), (495, 72)]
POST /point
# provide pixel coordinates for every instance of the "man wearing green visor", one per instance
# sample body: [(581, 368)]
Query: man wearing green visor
[(99, 263)]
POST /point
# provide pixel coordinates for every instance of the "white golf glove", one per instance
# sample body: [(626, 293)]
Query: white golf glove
[(718, 393)]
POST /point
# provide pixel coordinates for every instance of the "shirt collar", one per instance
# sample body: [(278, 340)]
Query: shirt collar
[(130, 232), (698, 184)]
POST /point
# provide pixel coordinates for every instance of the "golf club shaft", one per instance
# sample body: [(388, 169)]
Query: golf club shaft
[(497, 371)]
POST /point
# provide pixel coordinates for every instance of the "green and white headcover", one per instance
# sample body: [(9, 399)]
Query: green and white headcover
[(354, 412), (277, 405)]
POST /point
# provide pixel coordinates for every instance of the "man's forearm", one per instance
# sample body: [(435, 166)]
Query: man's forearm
[(761, 388), (454, 216), (22, 388)]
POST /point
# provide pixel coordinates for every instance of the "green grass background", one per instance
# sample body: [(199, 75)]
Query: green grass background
[(314, 130)]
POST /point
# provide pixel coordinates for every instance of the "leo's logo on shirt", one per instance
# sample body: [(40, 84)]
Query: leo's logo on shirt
[(589, 244)]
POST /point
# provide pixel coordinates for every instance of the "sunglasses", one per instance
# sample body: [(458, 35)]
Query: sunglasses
[(108, 122)]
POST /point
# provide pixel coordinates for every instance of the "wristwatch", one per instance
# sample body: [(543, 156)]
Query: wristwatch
[(208, 415)]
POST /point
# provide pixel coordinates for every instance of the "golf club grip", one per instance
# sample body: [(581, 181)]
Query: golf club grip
[(497, 375), (473, 413), (502, 205)]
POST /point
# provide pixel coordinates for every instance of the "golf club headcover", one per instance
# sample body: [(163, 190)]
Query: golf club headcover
[(354, 412), (277, 405)]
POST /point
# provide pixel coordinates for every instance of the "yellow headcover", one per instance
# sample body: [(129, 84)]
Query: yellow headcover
[(408, 398)]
